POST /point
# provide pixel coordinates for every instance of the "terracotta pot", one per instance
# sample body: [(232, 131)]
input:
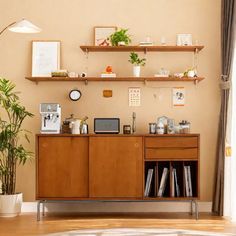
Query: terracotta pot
[(10, 205)]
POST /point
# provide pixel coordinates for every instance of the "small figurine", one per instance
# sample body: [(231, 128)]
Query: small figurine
[(109, 69), (108, 73)]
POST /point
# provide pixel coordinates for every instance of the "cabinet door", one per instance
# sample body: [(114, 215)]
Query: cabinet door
[(62, 170), (115, 167)]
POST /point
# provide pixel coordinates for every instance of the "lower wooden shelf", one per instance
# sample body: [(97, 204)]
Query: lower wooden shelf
[(170, 198), (116, 79), (117, 199)]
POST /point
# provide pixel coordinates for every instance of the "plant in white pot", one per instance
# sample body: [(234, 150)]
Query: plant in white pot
[(12, 151), (137, 63)]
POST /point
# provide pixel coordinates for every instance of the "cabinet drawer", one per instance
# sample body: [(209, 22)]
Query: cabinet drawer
[(173, 142), (171, 153)]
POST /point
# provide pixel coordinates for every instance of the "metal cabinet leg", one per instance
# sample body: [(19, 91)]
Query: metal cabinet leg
[(196, 210), (191, 209), (38, 210), (43, 203)]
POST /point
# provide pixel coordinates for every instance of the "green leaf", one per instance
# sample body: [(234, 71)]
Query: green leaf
[(27, 138), (120, 36), (135, 60)]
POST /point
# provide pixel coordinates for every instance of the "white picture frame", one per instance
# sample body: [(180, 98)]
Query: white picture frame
[(178, 96), (102, 33), (45, 57)]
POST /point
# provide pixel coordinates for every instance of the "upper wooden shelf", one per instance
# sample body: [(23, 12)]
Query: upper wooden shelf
[(167, 48), (116, 79)]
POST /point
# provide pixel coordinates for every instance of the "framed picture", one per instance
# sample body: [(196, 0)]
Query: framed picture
[(45, 57), (178, 96), (101, 35)]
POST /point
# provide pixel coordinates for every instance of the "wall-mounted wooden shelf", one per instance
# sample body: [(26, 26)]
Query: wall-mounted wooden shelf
[(167, 48), (117, 79)]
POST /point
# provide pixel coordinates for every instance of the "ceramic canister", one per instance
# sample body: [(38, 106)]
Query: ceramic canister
[(75, 126), (160, 128)]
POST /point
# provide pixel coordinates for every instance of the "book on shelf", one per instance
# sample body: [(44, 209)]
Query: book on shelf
[(108, 75), (176, 184), (146, 44), (164, 178), (156, 180), (188, 181), (148, 183), (173, 183)]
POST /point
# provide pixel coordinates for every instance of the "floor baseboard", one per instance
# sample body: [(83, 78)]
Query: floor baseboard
[(117, 207)]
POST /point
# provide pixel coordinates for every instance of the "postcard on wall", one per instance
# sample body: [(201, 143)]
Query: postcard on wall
[(102, 34), (45, 57), (178, 96)]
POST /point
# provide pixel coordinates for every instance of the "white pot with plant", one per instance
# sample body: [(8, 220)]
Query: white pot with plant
[(12, 152), (190, 73), (120, 38), (137, 63)]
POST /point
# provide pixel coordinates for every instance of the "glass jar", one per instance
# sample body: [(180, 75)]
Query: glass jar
[(184, 127), (152, 128), (126, 129), (160, 128), (170, 126)]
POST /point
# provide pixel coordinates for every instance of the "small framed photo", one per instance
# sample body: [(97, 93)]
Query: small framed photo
[(45, 57), (102, 34), (178, 94)]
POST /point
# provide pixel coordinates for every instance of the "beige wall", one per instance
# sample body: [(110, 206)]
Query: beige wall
[(72, 22)]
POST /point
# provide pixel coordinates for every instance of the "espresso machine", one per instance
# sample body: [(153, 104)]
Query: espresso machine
[(50, 118)]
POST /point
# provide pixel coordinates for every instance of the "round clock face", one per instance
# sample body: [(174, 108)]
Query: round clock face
[(75, 95)]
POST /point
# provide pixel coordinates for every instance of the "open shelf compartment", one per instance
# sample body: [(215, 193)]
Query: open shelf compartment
[(173, 185)]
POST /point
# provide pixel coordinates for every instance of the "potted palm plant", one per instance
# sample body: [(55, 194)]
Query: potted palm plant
[(120, 38), (137, 63), (12, 152)]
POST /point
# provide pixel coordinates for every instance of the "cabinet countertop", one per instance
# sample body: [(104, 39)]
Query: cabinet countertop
[(116, 135)]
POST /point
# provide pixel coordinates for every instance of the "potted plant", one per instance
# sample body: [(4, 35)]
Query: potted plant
[(137, 62), (120, 38), (12, 152)]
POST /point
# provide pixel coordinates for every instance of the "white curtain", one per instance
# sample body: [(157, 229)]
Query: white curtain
[(230, 162), (233, 143)]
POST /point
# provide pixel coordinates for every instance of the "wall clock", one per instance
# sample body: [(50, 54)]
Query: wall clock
[(75, 95)]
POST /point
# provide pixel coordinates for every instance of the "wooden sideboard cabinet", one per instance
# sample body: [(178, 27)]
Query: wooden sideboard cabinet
[(115, 167)]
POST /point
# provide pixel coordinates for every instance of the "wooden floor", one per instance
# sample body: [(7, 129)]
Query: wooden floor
[(26, 224)]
